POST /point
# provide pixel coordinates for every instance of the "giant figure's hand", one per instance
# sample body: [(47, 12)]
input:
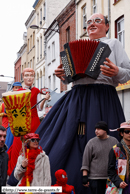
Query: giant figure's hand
[(47, 96), (59, 72), (111, 70)]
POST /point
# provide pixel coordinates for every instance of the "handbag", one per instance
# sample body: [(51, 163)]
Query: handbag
[(112, 189)]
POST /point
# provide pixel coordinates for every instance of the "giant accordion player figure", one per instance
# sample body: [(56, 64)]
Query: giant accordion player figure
[(69, 125)]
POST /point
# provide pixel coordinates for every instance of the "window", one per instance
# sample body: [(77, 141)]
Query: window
[(40, 47), (18, 73), (41, 81), (120, 30), (30, 41), (54, 81), (68, 34), (38, 19), (94, 6), (28, 64), (37, 80), (44, 46), (33, 38), (31, 64), (44, 17), (84, 17), (49, 55), (37, 50), (28, 46), (115, 1), (53, 50), (40, 78), (41, 16), (49, 82)]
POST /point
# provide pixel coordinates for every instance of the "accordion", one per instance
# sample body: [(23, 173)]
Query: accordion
[(82, 58)]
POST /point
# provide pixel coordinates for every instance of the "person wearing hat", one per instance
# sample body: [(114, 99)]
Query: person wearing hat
[(119, 160), (95, 159), (16, 86), (36, 167)]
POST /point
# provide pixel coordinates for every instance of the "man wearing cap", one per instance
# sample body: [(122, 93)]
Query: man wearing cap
[(95, 159), (119, 160)]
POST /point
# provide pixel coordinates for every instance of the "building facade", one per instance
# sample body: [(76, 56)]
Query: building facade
[(40, 9), (67, 28), (46, 11), (117, 12), (20, 58), (29, 57), (120, 29), (52, 57), (69, 17)]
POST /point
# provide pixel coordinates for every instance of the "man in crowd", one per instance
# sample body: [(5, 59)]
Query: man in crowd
[(95, 159), (3, 158), (119, 160)]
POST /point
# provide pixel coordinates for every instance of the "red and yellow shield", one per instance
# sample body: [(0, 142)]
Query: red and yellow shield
[(18, 109)]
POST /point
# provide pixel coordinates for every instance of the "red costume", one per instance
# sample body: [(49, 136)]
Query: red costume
[(61, 177), (14, 150), (4, 117)]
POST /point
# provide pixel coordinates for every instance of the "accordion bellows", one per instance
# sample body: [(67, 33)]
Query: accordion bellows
[(82, 58)]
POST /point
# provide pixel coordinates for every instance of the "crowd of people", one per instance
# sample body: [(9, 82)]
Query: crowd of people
[(104, 157), (94, 164)]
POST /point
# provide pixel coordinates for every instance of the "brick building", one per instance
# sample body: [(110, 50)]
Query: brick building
[(67, 28), (18, 62)]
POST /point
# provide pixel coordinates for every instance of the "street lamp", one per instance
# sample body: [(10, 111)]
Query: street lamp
[(37, 27)]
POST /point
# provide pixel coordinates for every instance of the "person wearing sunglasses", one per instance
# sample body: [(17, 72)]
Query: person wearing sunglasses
[(71, 121), (119, 161), (35, 166)]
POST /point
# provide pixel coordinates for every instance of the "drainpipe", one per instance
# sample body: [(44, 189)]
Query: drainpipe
[(109, 18), (76, 20)]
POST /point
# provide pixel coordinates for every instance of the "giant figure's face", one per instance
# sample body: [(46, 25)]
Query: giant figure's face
[(19, 120), (18, 109), (97, 30), (28, 78)]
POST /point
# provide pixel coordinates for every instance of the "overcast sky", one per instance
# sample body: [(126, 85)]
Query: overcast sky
[(13, 14)]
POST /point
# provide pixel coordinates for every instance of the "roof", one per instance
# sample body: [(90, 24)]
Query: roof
[(29, 18), (36, 2)]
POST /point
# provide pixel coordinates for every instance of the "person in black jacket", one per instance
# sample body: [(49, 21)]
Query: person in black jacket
[(119, 160), (3, 158)]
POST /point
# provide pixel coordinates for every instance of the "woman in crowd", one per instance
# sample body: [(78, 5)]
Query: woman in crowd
[(36, 165)]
